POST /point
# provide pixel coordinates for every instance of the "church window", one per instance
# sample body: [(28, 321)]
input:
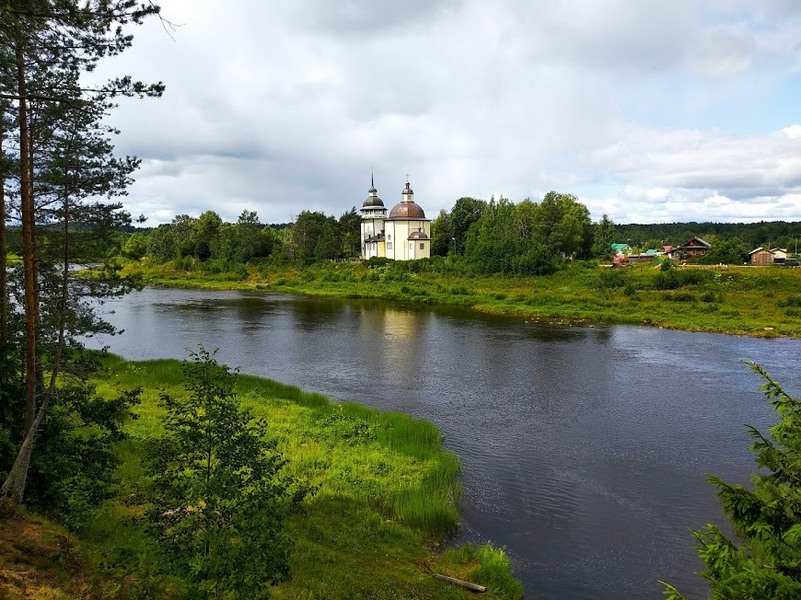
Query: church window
[(422, 246), (389, 245)]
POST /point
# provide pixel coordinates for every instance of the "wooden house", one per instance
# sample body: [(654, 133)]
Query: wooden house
[(761, 257), (694, 248)]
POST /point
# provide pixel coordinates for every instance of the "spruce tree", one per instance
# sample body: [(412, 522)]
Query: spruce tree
[(764, 561)]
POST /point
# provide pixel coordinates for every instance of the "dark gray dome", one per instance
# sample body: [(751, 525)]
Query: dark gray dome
[(373, 201)]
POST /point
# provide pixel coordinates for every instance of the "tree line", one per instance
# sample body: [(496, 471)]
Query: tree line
[(495, 236), (489, 237)]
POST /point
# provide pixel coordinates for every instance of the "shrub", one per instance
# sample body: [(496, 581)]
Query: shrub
[(612, 279), (218, 501)]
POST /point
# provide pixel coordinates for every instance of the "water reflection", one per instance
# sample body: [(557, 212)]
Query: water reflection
[(585, 449)]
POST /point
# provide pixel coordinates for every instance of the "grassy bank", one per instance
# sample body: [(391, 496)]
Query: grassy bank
[(756, 301), (386, 500)]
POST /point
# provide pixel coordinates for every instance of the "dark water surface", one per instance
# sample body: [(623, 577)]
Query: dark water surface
[(584, 449)]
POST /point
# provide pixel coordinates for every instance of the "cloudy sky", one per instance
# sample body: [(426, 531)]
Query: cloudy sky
[(647, 110)]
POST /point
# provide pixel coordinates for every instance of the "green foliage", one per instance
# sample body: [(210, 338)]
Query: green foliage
[(563, 224), (672, 279), (612, 278), (604, 237), (350, 225), (74, 468), (442, 240), (207, 237), (314, 236), (135, 246), (765, 559), (501, 242), (666, 264), (493, 571), (775, 233), (218, 498), (726, 250), (464, 213)]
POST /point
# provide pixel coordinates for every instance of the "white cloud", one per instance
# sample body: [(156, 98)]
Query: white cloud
[(724, 51), (286, 106)]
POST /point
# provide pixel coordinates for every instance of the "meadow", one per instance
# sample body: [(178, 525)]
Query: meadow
[(377, 527), (742, 300)]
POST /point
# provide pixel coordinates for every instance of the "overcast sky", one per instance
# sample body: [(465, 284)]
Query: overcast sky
[(647, 110)]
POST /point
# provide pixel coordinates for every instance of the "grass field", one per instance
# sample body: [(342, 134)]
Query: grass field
[(387, 496)]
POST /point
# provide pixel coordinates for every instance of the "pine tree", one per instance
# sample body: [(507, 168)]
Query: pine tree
[(46, 46)]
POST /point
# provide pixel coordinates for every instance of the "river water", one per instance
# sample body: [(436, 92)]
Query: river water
[(584, 449)]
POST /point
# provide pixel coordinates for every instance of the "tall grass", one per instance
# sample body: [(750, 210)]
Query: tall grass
[(488, 566), (385, 487)]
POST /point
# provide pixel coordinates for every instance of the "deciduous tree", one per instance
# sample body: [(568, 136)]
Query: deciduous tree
[(219, 499)]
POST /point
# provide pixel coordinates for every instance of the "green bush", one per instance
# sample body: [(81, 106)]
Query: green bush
[(673, 279), (219, 497), (612, 279)]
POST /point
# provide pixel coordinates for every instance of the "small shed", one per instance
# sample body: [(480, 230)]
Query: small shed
[(761, 257)]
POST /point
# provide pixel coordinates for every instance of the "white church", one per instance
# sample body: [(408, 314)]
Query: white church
[(403, 235)]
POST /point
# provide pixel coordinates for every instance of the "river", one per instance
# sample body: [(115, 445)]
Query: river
[(584, 449)]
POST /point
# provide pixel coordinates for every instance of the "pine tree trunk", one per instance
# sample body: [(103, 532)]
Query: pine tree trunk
[(3, 250), (28, 252), (13, 489)]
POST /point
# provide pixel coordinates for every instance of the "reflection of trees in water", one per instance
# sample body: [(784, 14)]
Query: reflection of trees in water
[(313, 313)]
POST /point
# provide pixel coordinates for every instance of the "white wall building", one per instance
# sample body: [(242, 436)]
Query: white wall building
[(404, 234)]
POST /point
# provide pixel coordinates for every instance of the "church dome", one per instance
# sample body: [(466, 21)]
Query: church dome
[(406, 208), (373, 201)]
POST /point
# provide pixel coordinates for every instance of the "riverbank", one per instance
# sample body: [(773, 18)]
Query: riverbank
[(386, 500), (754, 301)]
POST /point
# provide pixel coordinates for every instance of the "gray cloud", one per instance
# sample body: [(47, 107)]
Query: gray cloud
[(286, 106)]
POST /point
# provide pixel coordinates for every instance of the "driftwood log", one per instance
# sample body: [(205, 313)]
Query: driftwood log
[(473, 587)]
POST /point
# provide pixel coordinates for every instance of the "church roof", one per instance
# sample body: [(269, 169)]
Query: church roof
[(418, 235), (373, 201), (407, 208)]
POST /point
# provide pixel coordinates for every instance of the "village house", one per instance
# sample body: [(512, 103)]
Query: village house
[(779, 254), (695, 247), (621, 249)]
